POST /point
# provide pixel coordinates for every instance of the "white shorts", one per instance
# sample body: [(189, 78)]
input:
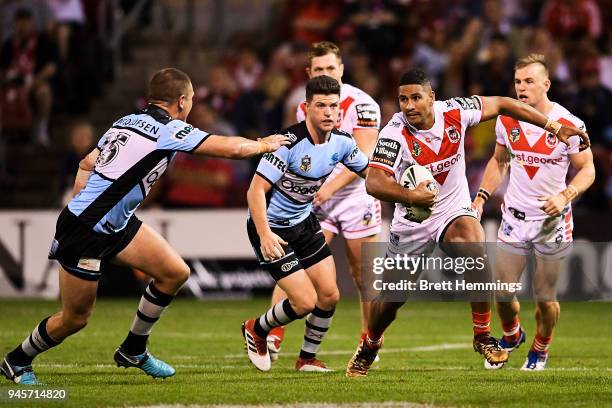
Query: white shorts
[(421, 238), (356, 216), (549, 238)]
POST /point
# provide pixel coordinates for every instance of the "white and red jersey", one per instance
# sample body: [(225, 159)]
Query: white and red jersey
[(539, 161), (357, 111), (440, 149)]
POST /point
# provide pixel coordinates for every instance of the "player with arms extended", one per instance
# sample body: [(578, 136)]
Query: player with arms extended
[(342, 204), (536, 213), (431, 133), (287, 237), (99, 226)]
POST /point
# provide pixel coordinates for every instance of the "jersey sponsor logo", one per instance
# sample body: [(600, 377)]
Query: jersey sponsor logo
[(275, 161), (551, 140), (386, 152), (110, 148), (395, 124), (89, 264), (306, 164), (291, 136), (416, 148), (440, 169), (469, 103), (287, 266), (366, 115), (515, 134), (154, 175), (354, 153), (298, 188), (293, 187), (453, 135), (181, 134)]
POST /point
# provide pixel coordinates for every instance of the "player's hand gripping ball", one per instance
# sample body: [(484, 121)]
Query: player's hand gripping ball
[(411, 178)]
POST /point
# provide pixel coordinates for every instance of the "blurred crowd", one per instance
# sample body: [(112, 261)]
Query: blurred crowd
[(255, 83)]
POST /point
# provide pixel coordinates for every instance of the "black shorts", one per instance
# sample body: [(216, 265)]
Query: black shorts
[(306, 247), (84, 252)]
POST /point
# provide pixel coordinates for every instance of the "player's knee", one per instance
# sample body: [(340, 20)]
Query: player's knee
[(330, 298), (179, 274), (504, 297), (75, 321), (548, 308), (304, 303)]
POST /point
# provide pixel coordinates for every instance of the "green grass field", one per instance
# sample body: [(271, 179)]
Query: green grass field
[(427, 359)]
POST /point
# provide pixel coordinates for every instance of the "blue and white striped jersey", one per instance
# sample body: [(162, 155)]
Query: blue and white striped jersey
[(297, 171), (134, 153)]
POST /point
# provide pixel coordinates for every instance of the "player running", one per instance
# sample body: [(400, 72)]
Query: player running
[(99, 227), (287, 237), (342, 204), (536, 212), (431, 133)]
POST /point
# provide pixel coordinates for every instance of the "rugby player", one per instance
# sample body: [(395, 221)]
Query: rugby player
[(99, 227), (342, 204), (287, 237), (536, 212), (431, 133)]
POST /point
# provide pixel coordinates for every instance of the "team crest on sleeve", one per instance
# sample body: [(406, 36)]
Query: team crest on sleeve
[(453, 134), (551, 140), (515, 134), (306, 164), (416, 148)]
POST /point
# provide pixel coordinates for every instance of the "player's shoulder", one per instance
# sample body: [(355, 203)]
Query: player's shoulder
[(295, 133), (359, 97), (394, 126), (562, 114), (464, 103)]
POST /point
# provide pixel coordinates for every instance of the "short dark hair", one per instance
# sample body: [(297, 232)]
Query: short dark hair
[(321, 85), (415, 76), (167, 85)]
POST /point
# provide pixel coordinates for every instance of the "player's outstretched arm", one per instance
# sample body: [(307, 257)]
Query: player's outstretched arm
[(381, 184), (499, 105), (583, 161), (271, 244), (86, 166), (494, 174), (237, 147)]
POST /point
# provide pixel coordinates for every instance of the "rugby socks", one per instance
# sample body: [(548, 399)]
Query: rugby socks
[(317, 324), (482, 322), (278, 315), (38, 342), (152, 304), (512, 330), (541, 344)]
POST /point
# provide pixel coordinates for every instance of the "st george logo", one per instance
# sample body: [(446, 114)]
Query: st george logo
[(453, 134), (551, 140), (306, 164), (515, 134)]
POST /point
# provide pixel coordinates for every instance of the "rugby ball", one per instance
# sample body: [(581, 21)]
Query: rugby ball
[(411, 178)]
